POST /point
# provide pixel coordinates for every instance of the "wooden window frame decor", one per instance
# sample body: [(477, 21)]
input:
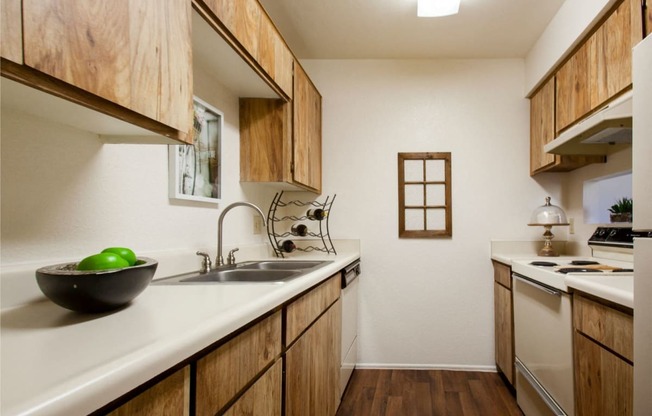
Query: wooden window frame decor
[(424, 187)]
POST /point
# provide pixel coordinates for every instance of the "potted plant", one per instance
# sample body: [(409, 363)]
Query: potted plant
[(621, 211)]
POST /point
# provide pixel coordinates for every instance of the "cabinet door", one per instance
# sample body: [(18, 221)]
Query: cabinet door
[(263, 398), (307, 131), (169, 397), (12, 30), (223, 373), (648, 17), (572, 97), (312, 368), (274, 56), (610, 52), (302, 312), (542, 126), (604, 382), (136, 54), (504, 328)]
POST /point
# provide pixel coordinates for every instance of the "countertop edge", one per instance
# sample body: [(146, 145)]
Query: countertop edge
[(92, 390)]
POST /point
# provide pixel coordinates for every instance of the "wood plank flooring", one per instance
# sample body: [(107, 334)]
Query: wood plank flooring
[(427, 393)]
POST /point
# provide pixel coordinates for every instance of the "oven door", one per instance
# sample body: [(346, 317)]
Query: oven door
[(543, 348)]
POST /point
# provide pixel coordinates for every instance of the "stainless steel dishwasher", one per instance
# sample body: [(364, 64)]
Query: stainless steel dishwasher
[(350, 284)]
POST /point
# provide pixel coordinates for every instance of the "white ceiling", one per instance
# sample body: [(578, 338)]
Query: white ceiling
[(390, 29)]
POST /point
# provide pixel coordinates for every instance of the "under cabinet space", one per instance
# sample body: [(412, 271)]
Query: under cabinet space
[(252, 57), (131, 61)]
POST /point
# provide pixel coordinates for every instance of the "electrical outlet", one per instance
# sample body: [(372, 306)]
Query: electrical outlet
[(258, 225), (571, 226)]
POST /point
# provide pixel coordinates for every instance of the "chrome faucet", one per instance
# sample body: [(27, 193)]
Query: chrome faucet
[(231, 259)]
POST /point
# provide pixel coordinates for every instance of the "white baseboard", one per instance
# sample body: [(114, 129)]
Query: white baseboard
[(449, 367)]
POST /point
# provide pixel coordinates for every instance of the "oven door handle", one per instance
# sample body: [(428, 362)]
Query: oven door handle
[(546, 289), (532, 381)]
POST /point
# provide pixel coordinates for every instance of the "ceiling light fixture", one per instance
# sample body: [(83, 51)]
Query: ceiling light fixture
[(436, 8)]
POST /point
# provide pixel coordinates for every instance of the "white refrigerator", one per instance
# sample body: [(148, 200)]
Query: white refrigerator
[(642, 196)]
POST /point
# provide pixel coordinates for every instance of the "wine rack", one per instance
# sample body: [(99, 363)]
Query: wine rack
[(275, 218)]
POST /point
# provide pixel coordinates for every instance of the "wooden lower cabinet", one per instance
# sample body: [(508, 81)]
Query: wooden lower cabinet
[(504, 321), (604, 369), (312, 368), (264, 397), (257, 371), (224, 373), (169, 397)]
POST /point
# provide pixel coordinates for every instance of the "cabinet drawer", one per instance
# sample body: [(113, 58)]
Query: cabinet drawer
[(263, 398), (168, 397), (503, 274), (223, 373), (303, 312), (608, 326)]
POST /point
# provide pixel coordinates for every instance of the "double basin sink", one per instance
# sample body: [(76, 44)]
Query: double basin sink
[(266, 271)]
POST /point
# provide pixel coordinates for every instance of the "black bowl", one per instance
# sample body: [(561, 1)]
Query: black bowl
[(98, 290)]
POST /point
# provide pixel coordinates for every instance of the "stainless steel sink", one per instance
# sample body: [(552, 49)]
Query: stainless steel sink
[(265, 271), (244, 275), (281, 265)]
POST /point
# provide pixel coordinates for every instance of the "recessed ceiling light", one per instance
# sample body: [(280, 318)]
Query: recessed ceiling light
[(435, 8)]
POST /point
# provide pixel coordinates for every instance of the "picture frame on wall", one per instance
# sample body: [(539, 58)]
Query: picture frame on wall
[(195, 169)]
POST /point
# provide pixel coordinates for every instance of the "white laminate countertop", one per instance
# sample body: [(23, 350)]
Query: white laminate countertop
[(58, 362), (615, 288), (618, 288)]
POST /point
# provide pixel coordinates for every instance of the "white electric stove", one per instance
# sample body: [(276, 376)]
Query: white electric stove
[(543, 317)]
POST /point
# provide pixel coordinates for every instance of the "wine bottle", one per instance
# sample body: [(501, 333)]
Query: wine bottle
[(317, 214), (299, 230), (287, 246)]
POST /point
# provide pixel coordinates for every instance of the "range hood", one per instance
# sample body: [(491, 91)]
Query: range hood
[(606, 131)]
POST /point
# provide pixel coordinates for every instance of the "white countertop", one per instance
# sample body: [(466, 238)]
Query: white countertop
[(615, 288), (58, 362), (618, 288)]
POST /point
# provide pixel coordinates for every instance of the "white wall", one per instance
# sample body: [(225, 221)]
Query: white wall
[(428, 302), (65, 195)]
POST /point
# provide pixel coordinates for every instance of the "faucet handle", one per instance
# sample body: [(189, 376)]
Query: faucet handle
[(230, 258), (206, 264)]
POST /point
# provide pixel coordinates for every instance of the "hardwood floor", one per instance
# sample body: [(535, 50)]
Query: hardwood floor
[(426, 393)]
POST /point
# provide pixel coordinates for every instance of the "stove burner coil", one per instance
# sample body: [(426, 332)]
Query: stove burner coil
[(565, 270), (583, 262), (543, 263)]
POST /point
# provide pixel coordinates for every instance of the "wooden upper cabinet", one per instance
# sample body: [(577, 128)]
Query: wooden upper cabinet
[(274, 55), (542, 131), (281, 142), (601, 68), (11, 47), (542, 126), (307, 131), (254, 35), (610, 52), (136, 54), (573, 98)]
